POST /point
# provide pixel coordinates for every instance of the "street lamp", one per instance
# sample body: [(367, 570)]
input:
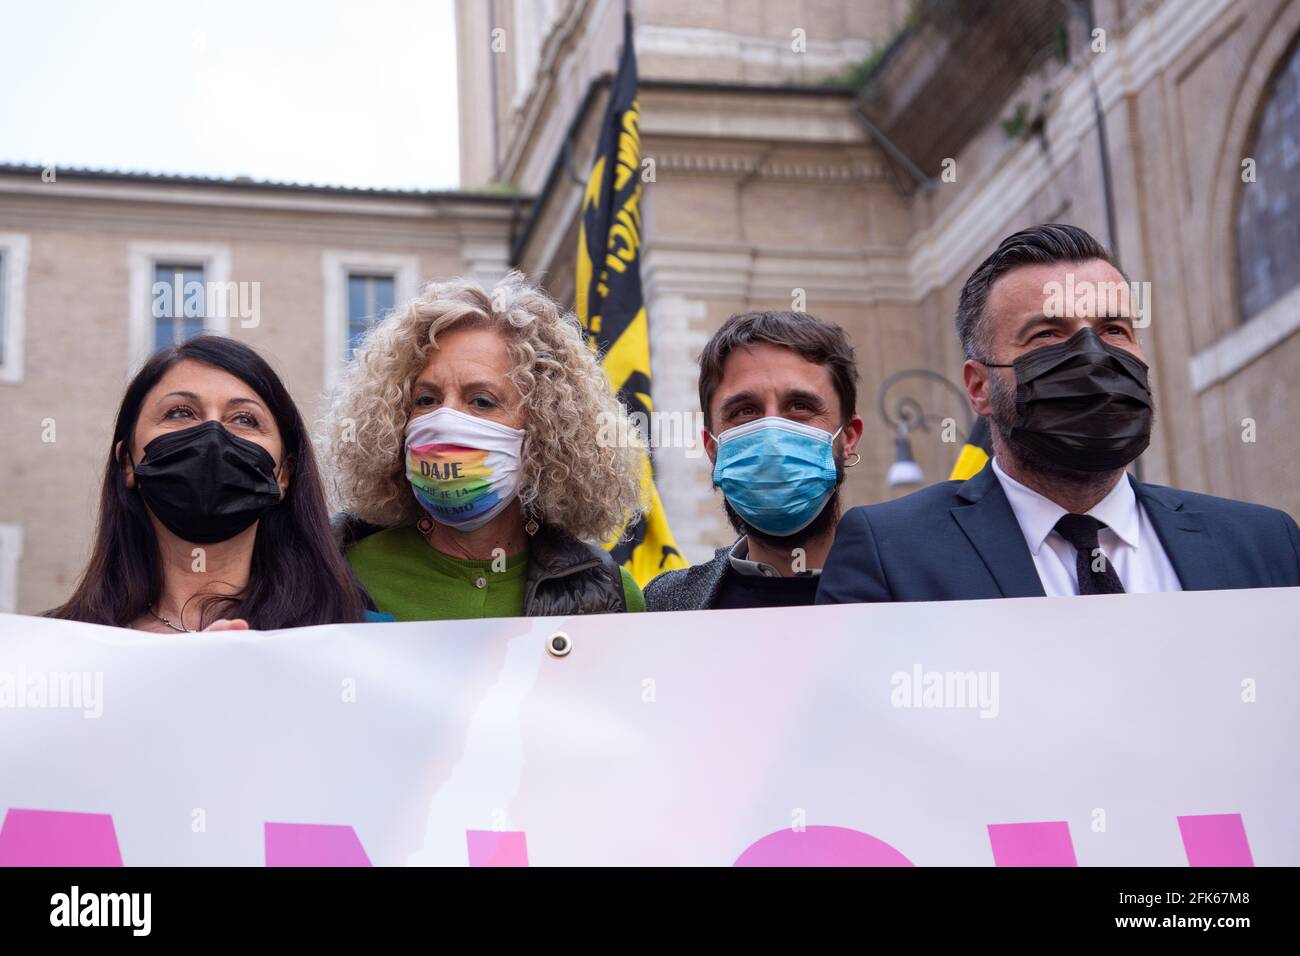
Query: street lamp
[(904, 472), (908, 415)]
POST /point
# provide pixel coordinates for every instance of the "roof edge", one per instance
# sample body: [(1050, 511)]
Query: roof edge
[(261, 185)]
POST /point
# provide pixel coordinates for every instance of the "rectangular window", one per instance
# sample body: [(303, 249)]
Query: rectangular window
[(177, 309), (14, 251), (159, 320), (370, 298), (2, 308), (11, 550), (361, 286)]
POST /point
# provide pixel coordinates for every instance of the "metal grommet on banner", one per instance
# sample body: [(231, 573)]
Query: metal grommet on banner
[(559, 644)]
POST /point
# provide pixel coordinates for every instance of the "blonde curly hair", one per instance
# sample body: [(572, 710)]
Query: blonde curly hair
[(571, 475)]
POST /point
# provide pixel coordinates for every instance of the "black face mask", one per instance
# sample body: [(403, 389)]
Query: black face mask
[(206, 485), (1082, 404)]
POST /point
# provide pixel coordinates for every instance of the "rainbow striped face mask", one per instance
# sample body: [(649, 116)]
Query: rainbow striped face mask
[(464, 470)]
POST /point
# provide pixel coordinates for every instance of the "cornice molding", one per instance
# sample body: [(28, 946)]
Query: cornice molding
[(857, 275), (232, 226), (716, 164), (421, 207), (818, 56)]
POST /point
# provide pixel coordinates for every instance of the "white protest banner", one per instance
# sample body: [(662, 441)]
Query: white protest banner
[(1109, 730)]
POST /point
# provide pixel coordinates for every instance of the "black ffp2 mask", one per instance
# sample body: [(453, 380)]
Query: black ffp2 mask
[(206, 485), (1082, 403)]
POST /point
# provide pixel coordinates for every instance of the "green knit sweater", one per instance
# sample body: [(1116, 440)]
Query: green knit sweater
[(413, 582)]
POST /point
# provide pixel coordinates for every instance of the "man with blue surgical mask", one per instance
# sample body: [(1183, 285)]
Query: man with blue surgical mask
[(779, 392)]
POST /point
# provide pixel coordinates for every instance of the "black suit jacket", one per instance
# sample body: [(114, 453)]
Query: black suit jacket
[(958, 540)]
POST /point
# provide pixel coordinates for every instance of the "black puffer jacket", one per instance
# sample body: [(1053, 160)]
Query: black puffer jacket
[(564, 575)]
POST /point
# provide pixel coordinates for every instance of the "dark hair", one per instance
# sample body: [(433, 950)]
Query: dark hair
[(1038, 245), (297, 577), (820, 342)]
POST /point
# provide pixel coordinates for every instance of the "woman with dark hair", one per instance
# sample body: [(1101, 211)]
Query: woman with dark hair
[(212, 515)]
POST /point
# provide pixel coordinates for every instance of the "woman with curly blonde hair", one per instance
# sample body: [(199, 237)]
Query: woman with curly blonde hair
[(473, 428)]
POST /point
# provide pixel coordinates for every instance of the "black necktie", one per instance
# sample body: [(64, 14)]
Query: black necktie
[(1081, 531)]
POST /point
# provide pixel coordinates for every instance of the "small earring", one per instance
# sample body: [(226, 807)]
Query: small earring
[(856, 458), (532, 527), (424, 526)]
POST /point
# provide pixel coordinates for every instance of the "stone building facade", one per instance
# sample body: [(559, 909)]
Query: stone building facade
[(863, 157), (78, 259)]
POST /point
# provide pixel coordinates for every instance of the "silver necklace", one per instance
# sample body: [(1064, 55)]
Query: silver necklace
[(183, 630)]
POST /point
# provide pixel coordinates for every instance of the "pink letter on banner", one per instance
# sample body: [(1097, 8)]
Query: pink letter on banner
[(313, 844), (58, 838), (821, 846), (1032, 844), (497, 848), (1215, 839)]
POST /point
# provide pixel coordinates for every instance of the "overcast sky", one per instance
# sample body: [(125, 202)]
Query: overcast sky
[(359, 93)]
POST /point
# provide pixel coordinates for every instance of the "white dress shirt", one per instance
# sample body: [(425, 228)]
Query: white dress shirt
[(1128, 541)]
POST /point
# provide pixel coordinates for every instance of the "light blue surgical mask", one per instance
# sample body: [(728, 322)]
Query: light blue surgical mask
[(777, 474)]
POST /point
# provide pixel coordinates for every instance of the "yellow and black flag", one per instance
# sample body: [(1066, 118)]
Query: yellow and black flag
[(608, 297), (975, 453)]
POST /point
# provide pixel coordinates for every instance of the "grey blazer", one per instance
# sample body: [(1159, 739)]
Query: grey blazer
[(689, 589)]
